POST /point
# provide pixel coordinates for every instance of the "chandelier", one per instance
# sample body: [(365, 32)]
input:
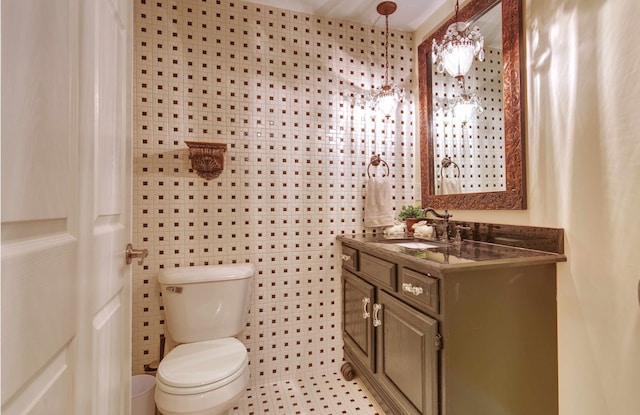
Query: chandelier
[(458, 48), (387, 97), (465, 106)]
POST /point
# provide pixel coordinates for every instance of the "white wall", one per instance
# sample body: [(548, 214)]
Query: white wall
[(583, 174)]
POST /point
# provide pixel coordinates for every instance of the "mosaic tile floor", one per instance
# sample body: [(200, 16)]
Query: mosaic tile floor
[(320, 393)]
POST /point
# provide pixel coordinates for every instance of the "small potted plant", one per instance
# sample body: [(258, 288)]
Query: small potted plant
[(410, 215)]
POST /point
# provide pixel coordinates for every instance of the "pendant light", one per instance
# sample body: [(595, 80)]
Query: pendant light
[(465, 107), (458, 48), (386, 98)]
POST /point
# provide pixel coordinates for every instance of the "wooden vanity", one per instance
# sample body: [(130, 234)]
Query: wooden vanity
[(467, 329)]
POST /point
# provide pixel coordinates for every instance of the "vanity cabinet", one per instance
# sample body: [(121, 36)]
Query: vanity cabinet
[(358, 297), (451, 339), (407, 348), (393, 343)]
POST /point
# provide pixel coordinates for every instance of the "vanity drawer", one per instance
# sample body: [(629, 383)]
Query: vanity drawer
[(383, 272), (349, 258), (419, 289)]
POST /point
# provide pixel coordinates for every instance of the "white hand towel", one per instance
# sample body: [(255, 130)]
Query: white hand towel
[(450, 186), (377, 203)]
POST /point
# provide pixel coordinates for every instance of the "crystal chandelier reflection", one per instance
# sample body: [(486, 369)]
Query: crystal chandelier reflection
[(458, 48), (465, 106), (386, 98)]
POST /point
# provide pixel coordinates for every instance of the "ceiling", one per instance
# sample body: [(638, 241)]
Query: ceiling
[(409, 15)]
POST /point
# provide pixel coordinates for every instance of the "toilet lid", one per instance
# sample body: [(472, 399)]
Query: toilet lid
[(196, 364)]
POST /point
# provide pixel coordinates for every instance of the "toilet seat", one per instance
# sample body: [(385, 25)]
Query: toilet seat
[(194, 368)]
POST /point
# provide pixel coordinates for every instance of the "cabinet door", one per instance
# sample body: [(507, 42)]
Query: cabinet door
[(408, 356), (357, 330)]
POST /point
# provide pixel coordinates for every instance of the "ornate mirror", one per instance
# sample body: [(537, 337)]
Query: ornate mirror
[(476, 161)]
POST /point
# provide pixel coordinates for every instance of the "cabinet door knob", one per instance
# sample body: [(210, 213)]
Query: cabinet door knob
[(408, 288), (376, 321), (365, 311), (346, 257)]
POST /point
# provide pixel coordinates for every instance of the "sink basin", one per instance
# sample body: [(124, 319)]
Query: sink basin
[(417, 245), (413, 243)]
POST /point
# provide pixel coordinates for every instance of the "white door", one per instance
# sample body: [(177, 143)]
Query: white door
[(66, 183)]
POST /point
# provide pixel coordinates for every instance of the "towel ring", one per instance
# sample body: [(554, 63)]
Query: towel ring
[(446, 162), (375, 161)]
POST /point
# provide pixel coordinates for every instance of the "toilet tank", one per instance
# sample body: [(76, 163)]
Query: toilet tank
[(206, 302)]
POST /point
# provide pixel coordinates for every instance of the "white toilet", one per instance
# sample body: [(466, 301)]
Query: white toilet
[(204, 307)]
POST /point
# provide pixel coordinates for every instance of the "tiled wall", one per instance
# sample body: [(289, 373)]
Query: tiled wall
[(477, 147), (284, 91)]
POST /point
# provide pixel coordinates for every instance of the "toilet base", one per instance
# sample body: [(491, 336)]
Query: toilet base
[(215, 402)]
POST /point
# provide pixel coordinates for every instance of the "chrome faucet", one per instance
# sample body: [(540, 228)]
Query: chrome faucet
[(444, 216)]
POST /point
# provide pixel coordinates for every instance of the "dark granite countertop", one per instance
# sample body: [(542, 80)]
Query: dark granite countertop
[(463, 256)]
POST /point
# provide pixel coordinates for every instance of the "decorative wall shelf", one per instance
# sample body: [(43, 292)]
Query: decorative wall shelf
[(207, 159)]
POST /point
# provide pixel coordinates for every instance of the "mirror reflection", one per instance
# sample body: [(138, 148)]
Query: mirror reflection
[(467, 126), (471, 126)]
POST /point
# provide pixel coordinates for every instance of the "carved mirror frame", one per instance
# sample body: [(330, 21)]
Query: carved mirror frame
[(514, 197)]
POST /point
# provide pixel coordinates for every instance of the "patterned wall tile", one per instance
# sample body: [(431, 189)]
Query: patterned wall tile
[(284, 90)]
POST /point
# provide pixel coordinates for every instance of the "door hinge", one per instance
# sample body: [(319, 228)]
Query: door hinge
[(438, 342)]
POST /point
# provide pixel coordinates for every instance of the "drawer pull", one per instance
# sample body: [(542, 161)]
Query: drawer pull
[(376, 321), (346, 257), (408, 288), (365, 304)]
